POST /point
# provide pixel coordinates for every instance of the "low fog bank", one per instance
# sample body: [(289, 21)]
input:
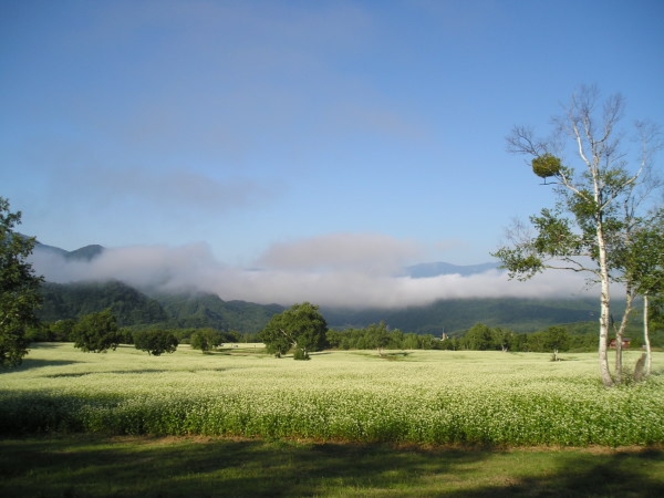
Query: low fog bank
[(194, 268)]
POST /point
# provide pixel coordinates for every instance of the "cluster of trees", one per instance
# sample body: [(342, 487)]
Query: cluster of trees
[(607, 222), (302, 329), (379, 337), (480, 337), (553, 339), (98, 332)]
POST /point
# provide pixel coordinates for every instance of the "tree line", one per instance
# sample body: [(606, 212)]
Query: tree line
[(302, 330)]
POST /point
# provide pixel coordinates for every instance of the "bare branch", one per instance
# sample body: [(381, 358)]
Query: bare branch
[(522, 141)]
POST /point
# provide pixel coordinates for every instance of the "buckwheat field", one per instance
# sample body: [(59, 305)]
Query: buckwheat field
[(418, 397)]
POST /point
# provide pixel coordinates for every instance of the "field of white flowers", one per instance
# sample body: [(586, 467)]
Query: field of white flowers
[(420, 397)]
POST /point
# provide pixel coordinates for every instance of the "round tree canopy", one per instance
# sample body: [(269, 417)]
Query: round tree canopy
[(546, 165)]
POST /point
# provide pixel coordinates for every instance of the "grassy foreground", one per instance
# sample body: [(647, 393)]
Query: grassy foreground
[(420, 397), (97, 466)]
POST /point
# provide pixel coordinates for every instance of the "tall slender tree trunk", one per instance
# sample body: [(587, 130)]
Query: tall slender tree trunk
[(605, 311), (646, 335), (620, 334)]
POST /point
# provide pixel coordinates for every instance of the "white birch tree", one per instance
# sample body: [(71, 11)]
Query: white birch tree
[(597, 204)]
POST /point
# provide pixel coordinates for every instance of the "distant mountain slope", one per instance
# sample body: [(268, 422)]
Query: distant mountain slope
[(208, 310), (71, 301), (132, 307), (455, 315), (87, 253)]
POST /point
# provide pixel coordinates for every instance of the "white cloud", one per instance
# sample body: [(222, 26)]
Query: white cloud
[(295, 274), (360, 252)]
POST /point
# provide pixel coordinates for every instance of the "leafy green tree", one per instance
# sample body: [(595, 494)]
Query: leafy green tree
[(479, 338), (378, 336), (301, 327), (504, 338), (643, 265), (556, 339), (395, 339), (155, 341), (97, 332), (411, 341), (428, 341), (597, 205), (19, 288), (61, 330), (206, 339)]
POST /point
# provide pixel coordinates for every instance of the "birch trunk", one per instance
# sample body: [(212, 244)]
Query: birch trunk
[(646, 335), (620, 334), (605, 310)]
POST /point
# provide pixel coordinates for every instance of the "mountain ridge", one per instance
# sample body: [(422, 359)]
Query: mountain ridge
[(85, 253)]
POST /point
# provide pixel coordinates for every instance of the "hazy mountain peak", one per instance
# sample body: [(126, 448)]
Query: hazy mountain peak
[(434, 269), (87, 253)]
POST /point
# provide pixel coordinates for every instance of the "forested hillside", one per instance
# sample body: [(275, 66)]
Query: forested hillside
[(208, 310), (454, 315), (134, 308), (71, 301)]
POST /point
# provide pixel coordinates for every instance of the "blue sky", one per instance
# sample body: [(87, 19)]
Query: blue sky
[(304, 138)]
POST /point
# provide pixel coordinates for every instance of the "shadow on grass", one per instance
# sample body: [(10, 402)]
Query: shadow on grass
[(32, 363), (141, 371), (170, 467)]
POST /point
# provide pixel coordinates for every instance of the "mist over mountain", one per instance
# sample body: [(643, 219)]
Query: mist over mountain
[(420, 270), (428, 270), (184, 287), (310, 271)]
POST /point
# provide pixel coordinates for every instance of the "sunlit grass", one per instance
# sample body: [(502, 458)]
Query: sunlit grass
[(423, 397)]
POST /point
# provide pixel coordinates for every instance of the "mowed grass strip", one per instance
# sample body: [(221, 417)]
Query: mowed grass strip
[(424, 398), (96, 466)]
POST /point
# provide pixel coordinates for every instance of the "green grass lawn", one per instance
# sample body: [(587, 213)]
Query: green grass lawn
[(95, 466)]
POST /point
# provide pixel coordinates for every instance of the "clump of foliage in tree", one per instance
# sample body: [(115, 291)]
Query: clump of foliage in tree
[(300, 327), (546, 165), (97, 332), (155, 341), (19, 288)]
